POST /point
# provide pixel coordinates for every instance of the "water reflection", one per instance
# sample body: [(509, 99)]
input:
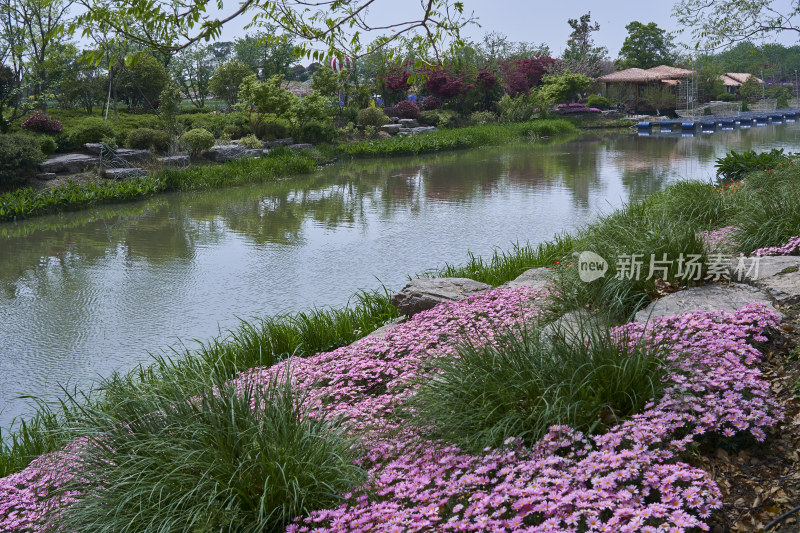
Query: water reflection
[(84, 293)]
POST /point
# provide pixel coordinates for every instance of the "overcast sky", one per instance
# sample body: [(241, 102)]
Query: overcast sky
[(542, 21)]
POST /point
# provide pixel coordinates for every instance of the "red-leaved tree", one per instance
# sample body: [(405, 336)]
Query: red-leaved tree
[(519, 75)]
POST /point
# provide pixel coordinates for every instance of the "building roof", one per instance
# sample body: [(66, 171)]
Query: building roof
[(736, 79), (637, 75)]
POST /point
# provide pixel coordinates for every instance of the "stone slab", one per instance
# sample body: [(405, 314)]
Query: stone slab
[(778, 276), (425, 293), (68, 163), (536, 278), (123, 173)]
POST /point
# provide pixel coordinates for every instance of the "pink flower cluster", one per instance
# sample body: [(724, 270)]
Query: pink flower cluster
[(719, 240), (628, 479), (792, 247)]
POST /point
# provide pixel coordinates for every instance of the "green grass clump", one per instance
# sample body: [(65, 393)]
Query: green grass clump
[(257, 343), (453, 139), (181, 461), (505, 266), (527, 380)]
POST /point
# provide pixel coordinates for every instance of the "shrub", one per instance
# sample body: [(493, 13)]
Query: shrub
[(197, 140), (520, 108), (524, 381), (371, 116), (598, 101), (317, 131), (90, 130), (430, 103), (147, 139), (41, 123), (19, 158), (483, 117), (271, 129), (251, 141), (725, 97), (407, 109), (391, 112), (233, 131), (736, 165), (441, 118), (223, 459), (47, 144)]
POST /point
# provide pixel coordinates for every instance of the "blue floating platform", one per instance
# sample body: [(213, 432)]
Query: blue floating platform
[(644, 125)]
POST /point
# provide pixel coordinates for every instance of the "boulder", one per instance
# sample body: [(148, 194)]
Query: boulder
[(421, 294), (394, 120), (410, 123), (68, 163), (391, 129), (123, 173), (298, 147), (45, 176), (422, 129), (381, 332), (279, 142), (181, 160), (224, 152), (92, 148), (778, 276), (536, 278), (382, 135), (711, 297), (129, 154)]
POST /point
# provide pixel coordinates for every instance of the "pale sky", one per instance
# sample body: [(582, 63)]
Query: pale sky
[(537, 21)]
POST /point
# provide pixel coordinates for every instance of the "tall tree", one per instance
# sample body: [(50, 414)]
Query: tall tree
[(264, 55), (581, 55), (646, 46), (192, 68)]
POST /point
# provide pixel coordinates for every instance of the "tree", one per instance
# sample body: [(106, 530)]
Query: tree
[(81, 83), (265, 56), (581, 56), (192, 68), (141, 83), (564, 87), (751, 89), (646, 46), (520, 75), (323, 27), (659, 97), (722, 23), (227, 79)]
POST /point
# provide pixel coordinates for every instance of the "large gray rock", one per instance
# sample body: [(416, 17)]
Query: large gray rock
[(778, 276), (712, 297), (421, 294), (123, 173), (391, 129), (536, 278), (68, 163), (224, 152), (130, 155), (409, 123), (181, 160), (45, 176), (279, 142), (301, 146), (93, 148)]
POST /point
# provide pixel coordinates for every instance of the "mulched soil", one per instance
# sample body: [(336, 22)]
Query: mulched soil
[(761, 481)]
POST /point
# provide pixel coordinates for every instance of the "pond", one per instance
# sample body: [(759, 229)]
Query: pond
[(83, 294)]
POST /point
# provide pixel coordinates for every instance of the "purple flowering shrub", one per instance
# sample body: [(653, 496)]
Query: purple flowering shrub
[(792, 247), (407, 109), (628, 479), (41, 123), (720, 240)]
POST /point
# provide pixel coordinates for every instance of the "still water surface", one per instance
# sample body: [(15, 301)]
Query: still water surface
[(84, 294)]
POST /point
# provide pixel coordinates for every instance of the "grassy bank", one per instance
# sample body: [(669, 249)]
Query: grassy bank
[(455, 139), (29, 202)]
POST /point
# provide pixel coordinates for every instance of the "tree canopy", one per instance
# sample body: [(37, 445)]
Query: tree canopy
[(646, 46)]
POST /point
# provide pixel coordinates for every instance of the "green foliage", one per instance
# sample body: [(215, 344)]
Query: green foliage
[(441, 118), (141, 83), (371, 116), (726, 97), (214, 122), (580, 51), (525, 106), (325, 81), (19, 158), (31, 438), (226, 80), (646, 46), (751, 89), (521, 382), (317, 131), (267, 52), (251, 141), (148, 139), (197, 140), (564, 87), (89, 130), (178, 460), (600, 102), (734, 165), (483, 117), (271, 128), (47, 144), (233, 131), (660, 97)]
